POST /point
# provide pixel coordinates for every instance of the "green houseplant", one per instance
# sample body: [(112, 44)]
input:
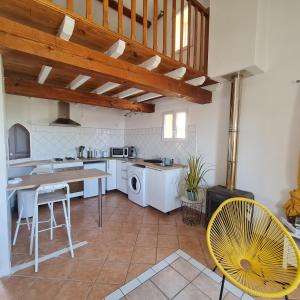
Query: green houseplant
[(195, 176)]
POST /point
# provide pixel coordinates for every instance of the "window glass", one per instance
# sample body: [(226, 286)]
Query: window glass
[(180, 125), (168, 126), (185, 29)]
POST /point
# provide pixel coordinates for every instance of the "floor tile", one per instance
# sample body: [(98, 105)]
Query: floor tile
[(167, 229), (149, 229), (167, 241), (113, 273), (84, 270), (146, 240), (146, 291), (120, 254), (169, 282), (100, 291), (191, 293), (164, 252), (144, 255), (73, 290), (15, 287), (207, 286), (185, 269), (49, 288), (136, 269)]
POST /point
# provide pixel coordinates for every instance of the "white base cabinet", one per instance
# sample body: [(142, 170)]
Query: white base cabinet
[(162, 189), (91, 185), (111, 168), (122, 176)]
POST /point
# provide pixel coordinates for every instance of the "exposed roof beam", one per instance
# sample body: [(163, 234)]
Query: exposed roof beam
[(105, 88), (149, 64), (176, 73), (116, 50), (17, 37), (44, 73), (65, 32), (126, 12), (196, 81), (78, 81), (146, 97), (32, 89), (128, 92)]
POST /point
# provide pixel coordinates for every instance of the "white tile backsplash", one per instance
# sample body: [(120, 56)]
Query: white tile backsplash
[(56, 141), (150, 144)]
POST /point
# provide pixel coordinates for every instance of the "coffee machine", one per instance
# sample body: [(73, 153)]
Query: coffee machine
[(132, 153)]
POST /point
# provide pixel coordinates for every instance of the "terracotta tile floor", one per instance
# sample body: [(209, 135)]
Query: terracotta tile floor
[(131, 240)]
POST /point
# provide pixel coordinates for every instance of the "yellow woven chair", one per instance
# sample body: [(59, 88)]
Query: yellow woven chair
[(253, 250)]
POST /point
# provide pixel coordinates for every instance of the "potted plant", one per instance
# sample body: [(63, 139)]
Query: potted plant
[(195, 176)]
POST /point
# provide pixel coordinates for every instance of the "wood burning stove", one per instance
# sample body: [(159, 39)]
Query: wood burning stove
[(217, 194)]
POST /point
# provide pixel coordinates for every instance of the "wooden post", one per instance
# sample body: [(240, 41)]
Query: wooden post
[(70, 5), (173, 28), (181, 30), (155, 24), (145, 19), (206, 44), (105, 13), (195, 38), (133, 20), (120, 16), (188, 59), (89, 9), (165, 27), (201, 62)]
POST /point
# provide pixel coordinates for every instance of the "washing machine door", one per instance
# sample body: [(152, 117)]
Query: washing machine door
[(134, 184)]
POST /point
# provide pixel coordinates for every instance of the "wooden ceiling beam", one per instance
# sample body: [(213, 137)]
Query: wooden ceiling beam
[(32, 89), (17, 37)]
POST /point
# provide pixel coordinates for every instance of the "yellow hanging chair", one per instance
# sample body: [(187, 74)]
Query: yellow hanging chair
[(253, 249)]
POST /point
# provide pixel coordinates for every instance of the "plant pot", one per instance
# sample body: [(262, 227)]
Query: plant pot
[(192, 196)]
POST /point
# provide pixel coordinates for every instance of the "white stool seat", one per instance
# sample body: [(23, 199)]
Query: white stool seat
[(26, 202), (55, 196)]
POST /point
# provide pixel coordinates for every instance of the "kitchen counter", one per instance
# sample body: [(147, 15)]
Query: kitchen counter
[(139, 161)]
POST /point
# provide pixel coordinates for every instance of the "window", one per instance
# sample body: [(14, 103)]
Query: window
[(174, 126), (185, 29)]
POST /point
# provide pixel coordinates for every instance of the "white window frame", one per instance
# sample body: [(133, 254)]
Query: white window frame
[(174, 138), (178, 12)]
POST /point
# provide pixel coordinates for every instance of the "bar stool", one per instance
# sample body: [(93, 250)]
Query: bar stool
[(26, 202), (50, 194)]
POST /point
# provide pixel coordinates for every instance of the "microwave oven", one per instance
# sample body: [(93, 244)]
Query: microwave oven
[(119, 152)]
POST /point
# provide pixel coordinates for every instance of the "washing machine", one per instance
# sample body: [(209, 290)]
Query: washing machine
[(137, 184)]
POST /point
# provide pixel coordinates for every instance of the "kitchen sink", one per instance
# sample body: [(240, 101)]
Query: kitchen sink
[(153, 161)]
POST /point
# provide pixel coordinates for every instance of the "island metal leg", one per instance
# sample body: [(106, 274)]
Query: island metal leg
[(100, 202)]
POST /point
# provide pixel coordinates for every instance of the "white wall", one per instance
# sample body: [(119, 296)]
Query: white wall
[(269, 142), (209, 121), (4, 207), (270, 113), (101, 128)]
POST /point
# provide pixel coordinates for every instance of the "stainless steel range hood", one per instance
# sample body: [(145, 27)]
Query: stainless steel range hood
[(64, 116)]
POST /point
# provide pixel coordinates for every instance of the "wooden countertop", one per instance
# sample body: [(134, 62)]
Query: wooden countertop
[(33, 181), (140, 161)]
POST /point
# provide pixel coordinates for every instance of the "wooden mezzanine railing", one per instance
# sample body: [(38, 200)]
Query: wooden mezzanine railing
[(179, 29)]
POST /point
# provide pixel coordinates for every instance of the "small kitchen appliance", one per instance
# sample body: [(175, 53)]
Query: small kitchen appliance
[(80, 151), (119, 152), (132, 153)]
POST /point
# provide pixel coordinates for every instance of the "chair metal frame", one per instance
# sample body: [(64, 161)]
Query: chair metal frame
[(42, 190), (249, 215)]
